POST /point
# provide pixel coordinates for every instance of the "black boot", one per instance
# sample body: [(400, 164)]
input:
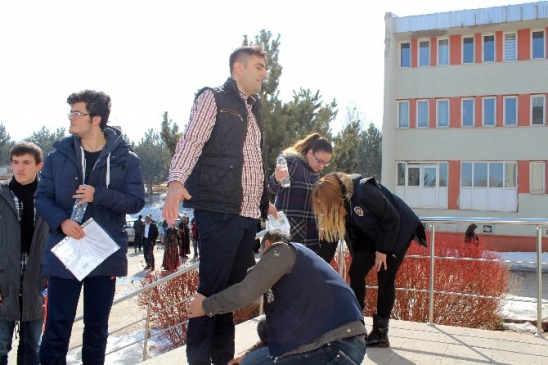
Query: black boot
[(379, 334)]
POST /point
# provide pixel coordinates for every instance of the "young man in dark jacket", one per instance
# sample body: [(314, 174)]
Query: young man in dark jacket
[(97, 166), (22, 236)]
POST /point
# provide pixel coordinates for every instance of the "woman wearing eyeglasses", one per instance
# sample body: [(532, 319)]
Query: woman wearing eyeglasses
[(378, 227), (305, 160)]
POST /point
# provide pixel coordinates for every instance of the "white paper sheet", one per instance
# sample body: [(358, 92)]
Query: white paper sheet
[(83, 255)]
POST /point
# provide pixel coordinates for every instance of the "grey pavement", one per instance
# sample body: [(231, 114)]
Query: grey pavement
[(422, 344)]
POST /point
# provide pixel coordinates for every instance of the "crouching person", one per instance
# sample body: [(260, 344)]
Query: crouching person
[(312, 315)]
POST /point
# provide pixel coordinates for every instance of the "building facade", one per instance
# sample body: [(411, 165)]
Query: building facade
[(465, 122)]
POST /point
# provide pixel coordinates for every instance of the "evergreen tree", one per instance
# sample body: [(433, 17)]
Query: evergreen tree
[(170, 133), (6, 145), (155, 159), (45, 138), (370, 152), (347, 144)]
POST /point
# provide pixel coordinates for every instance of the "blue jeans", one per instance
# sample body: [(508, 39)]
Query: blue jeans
[(348, 351), (29, 340), (63, 297), (225, 243)]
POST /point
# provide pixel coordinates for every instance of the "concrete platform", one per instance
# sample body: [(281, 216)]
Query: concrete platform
[(422, 344)]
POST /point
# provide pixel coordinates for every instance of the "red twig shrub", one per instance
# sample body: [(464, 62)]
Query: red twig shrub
[(455, 276), (169, 308)]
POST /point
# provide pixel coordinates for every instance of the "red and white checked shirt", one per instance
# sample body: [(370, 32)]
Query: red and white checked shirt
[(189, 148)]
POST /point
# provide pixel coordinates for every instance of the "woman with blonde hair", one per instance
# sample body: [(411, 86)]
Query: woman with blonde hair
[(305, 161), (378, 228)]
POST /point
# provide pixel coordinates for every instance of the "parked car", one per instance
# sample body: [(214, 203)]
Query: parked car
[(130, 221)]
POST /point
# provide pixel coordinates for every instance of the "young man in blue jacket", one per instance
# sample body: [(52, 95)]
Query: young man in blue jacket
[(96, 165), (22, 236)]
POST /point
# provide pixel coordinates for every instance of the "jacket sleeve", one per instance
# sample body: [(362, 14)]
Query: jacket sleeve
[(45, 200), (375, 201), (132, 197)]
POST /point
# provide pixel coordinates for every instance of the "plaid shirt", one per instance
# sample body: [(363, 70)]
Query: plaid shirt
[(202, 120)]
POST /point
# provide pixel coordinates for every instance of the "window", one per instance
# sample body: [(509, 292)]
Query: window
[(423, 184), (510, 47), (443, 52), (510, 110), (467, 112), (538, 109), (424, 53), (401, 174), (443, 113), (537, 47), (488, 186), (403, 114), (488, 48), (468, 50), (422, 114), (489, 112), (537, 171), (405, 55)]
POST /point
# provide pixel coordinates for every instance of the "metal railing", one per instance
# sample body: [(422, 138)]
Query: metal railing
[(431, 223)]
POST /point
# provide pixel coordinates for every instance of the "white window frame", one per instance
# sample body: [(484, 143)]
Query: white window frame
[(494, 111), (448, 52), (419, 52), (438, 101), (419, 101), (515, 47), (400, 103), (507, 97), (543, 43), (473, 100), (401, 53), (473, 50), (543, 96), (542, 166), (494, 47)]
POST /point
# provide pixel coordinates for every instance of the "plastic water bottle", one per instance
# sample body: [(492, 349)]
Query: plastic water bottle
[(283, 163), (78, 211)]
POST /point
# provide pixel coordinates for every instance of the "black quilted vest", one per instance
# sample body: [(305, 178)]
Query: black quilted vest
[(215, 184)]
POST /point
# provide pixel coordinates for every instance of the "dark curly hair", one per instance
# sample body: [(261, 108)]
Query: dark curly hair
[(97, 104), (27, 148)]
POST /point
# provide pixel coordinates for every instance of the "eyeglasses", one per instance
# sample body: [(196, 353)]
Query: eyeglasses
[(74, 114), (321, 162)]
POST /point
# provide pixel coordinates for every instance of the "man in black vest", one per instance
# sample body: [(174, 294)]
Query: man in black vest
[(311, 312), (218, 170)]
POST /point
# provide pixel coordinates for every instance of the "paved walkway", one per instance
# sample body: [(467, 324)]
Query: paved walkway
[(421, 344)]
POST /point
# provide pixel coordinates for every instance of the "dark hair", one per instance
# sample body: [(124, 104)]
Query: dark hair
[(470, 236), (27, 148), (140, 216), (277, 235), (314, 142), (97, 104), (242, 54)]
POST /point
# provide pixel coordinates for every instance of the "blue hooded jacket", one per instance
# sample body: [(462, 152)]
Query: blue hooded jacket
[(118, 181)]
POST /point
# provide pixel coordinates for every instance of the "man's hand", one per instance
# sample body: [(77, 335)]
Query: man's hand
[(238, 358), (195, 306), (380, 260), (84, 192), (272, 210), (72, 229), (175, 193)]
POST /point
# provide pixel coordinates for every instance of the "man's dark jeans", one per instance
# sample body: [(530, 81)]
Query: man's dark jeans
[(225, 243)]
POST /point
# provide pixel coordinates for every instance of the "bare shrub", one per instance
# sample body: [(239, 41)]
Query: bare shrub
[(470, 278)]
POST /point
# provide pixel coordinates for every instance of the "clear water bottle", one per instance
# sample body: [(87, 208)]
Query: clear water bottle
[(283, 163), (78, 211)]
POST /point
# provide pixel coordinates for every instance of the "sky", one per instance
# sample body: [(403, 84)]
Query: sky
[(152, 56)]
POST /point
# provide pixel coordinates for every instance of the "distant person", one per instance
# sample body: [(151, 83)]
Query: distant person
[(312, 316), (195, 238), (470, 235), (22, 235), (218, 170), (96, 165), (138, 229), (171, 249), (184, 237), (378, 227), (305, 161), (150, 235)]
